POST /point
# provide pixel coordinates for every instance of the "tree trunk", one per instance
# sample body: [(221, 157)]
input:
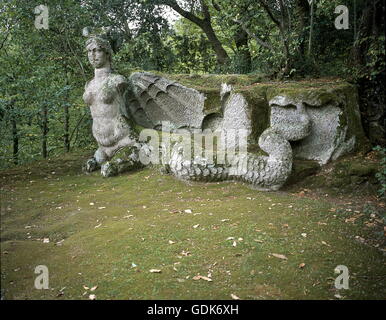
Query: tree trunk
[(311, 28), (302, 12), (206, 26), (44, 127), (241, 40), (15, 140), (221, 54), (66, 128), (283, 29), (66, 118), (372, 78)]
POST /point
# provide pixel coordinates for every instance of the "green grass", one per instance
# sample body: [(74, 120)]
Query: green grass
[(134, 217)]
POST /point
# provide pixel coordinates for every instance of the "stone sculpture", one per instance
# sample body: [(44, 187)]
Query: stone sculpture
[(105, 94), (151, 101)]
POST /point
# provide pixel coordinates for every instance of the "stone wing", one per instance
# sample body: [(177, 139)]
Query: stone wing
[(154, 100)]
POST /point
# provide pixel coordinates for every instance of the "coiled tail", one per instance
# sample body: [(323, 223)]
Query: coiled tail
[(261, 172)]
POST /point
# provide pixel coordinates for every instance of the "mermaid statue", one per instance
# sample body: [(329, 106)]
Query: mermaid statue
[(105, 94), (117, 108)]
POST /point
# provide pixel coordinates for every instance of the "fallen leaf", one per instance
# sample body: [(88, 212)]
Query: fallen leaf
[(188, 211), (171, 242), (234, 297), (155, 270), (280, 256), (196, 226), (185, 253), (94, 288), (92, 296), (302, 265), (198, 277)]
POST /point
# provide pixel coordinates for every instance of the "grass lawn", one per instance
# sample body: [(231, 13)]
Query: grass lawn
[(111, 232)]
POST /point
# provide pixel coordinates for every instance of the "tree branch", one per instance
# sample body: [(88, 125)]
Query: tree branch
[(186, 14), (244, 27), (252, 35), (269, 12)]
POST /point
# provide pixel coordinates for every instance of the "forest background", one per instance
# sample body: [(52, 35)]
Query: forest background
[(43, 71)]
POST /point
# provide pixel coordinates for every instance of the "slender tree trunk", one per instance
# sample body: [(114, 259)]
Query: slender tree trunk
[(44, 127), (311, 28), (66, 128), (241, 40), (372, 78), (67, 119), (283, 29), (15, 140), (303, 15), (221, 54)]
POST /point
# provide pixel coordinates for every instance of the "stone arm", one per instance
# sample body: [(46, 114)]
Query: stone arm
[(122, 84)]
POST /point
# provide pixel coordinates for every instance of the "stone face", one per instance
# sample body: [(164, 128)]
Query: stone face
[(334, 121), (289, 118)]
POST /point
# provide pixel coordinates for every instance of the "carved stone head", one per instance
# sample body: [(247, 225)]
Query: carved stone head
[(99, 52), (316, 122)]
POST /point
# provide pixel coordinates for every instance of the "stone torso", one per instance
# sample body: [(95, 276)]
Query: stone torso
[(104, 95)]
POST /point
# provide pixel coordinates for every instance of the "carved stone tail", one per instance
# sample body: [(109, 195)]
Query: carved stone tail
[(262, 172)]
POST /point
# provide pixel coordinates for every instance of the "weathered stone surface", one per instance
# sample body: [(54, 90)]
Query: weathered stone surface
[(278, 122), (105, 94), (334, 118), (330, 109), (157, 100)]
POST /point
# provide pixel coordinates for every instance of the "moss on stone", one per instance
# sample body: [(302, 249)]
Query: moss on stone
[(214, 81), (353, 117), (259, 109), (302, 169), (313, 92), (212, 102)]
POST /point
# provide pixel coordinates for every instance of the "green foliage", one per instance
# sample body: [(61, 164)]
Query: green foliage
[(43, 75)]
